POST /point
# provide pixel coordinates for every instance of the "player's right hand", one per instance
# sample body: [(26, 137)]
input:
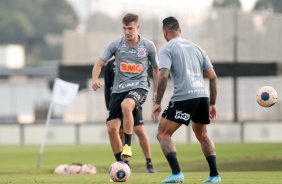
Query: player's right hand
[(156, 112), (96, 85)]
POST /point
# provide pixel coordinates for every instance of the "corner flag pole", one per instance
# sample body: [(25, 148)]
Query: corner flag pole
[(63, 93), (45, 134)]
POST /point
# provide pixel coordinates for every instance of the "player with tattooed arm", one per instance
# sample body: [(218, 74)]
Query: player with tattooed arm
[(187, 63)]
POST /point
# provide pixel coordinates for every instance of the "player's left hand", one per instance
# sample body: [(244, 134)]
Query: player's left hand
[(156, 112)]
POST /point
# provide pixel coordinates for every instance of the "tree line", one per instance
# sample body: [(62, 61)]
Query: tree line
[(28, 22)]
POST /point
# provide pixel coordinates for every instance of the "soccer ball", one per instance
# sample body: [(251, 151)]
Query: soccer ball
[(88, 169), (119, 172), (266, 96), (62, 169), (75, 168)]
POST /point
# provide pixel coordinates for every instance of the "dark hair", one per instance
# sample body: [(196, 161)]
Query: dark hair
[(171, 23), (130, 17)]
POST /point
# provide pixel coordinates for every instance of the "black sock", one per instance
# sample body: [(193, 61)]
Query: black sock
[(149, 162), (118, 157), (212, 164), (127, 139), (173, 162)]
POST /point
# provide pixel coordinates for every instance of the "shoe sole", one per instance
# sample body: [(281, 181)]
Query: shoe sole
[(211, 181), (125, 156), (177, 182)]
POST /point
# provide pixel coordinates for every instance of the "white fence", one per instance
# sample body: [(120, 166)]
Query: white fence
[(97, 133), (20, 98)]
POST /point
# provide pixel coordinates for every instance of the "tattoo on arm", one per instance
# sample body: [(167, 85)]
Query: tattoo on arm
[(213, 91), (156, 74), (162, 83)]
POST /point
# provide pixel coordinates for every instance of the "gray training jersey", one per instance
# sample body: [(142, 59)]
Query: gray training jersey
[(186, 62), (132, 63)]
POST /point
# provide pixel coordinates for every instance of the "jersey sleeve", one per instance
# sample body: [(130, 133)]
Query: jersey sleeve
[(165, 58), (108, 79), (152, 55), (206, 62), (108, 52)]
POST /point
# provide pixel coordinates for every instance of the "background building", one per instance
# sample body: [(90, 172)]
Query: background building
[(231, 37)]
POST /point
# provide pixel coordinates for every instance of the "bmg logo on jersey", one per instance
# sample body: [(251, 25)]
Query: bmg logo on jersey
[(180, 115), (130, 67)]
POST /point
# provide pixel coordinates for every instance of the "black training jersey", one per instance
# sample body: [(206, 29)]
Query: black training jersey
[(109, 80)]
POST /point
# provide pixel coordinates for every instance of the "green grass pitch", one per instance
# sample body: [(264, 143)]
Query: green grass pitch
[(249, 163)]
